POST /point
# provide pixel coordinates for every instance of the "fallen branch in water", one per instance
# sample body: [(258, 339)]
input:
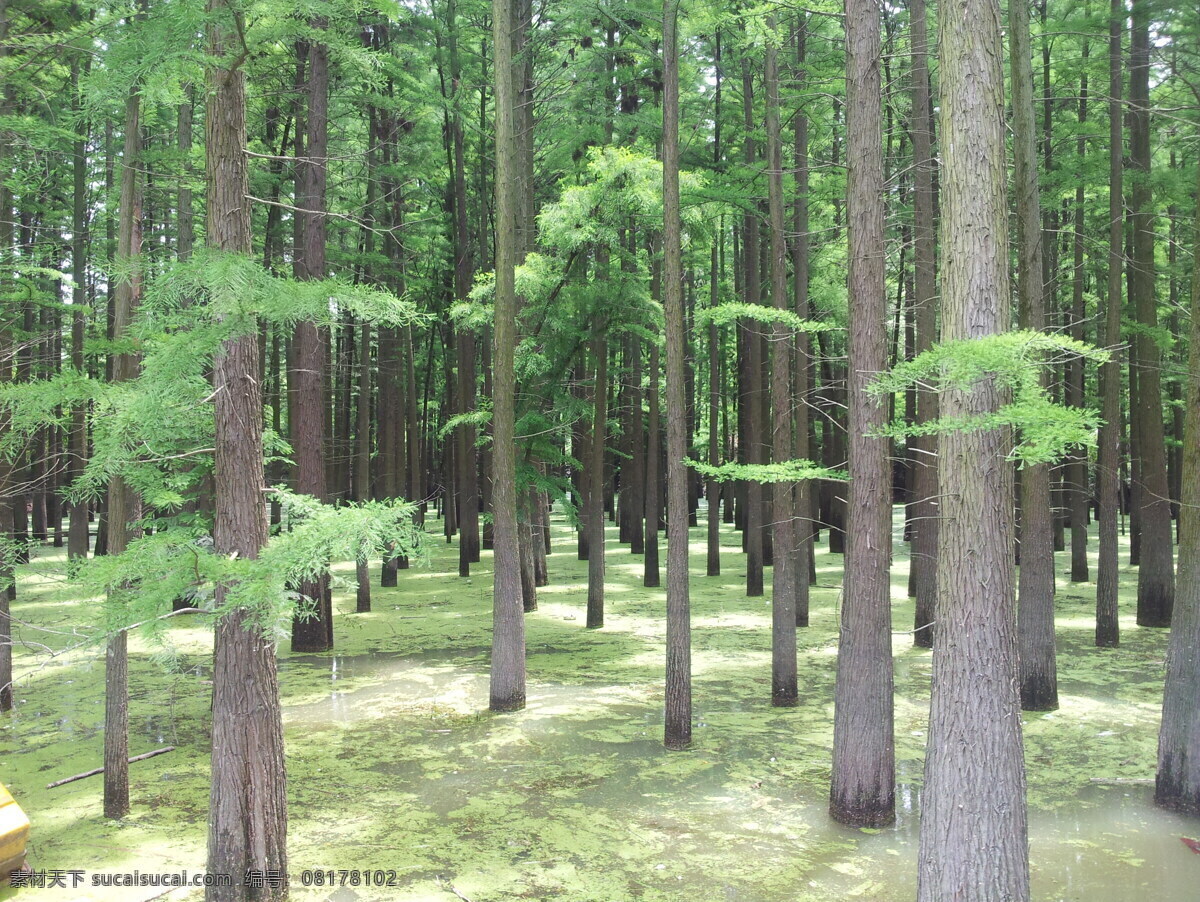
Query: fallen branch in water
[(100, 770)]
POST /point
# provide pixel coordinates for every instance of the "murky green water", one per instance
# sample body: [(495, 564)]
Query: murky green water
[(394, 763)]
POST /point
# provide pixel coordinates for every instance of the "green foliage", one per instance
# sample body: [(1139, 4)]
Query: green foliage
[(797, 470), (732, 311), (232, 293), (1047, 431), (480, 419), (143, 582)]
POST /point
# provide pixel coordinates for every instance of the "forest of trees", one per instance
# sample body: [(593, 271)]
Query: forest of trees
[(285, 285)]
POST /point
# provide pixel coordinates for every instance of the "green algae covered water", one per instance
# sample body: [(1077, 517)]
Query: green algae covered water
[(397, 770)]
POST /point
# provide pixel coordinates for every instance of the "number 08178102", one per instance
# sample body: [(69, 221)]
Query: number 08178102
[(351, 877)]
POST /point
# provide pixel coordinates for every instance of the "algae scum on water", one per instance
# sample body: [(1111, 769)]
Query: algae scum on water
[(395, 765)]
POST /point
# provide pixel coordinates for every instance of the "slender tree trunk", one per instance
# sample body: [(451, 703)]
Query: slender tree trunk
[(389, 456), (713, 488), (637, 445), (508, 624), (525, 542), (466, 455), (753, 535), (1035, 590), (1077, 467), (1108, 485), (677, 733), (925, 508), (974, 843), (803, 346), (124, 505), (784, 573), (312, 629), (651, 578), (863, 791), (362, 457), (247, 827), (1108, 453), (1156, 576), (77, 531), (595, 475), (1178, 783)]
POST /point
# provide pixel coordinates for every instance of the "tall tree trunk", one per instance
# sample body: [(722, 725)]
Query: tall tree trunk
[(362, 457), (863, 791), (1108, 456), (652, 495), (1178, 782), (802, 353), (974, 842), (508, 625), (712, 488), (1156, 576), (925, 508), (466, 455), (312, 630), (651, 578), (124, 505), (677, 732), (753, 535), (595, 476), (247, 823), (637, 442), (77, 531), (1077, 467), (1035, 588), (784, 573)]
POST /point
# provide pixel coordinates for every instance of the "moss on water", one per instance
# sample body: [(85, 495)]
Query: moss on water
[(394, 764)]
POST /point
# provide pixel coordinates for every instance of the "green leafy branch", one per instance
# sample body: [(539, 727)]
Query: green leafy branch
[(145, 580), (732, 311), (1015, 360), (797, 470)]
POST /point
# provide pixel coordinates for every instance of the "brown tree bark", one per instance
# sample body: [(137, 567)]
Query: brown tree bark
[(677, 732), (466, 455), (247, 826), (508, 625), (362, 457), (1108, 456), (973, 844), (802, 351), (1156, 576), (77, 531), (124, 505), (712, 488), (785, 570), (595, 476), (637, 443), (754, 387), (1178, 781), (312, 629), (651, 577), (1035, 588), (1077, 472), (925, 508), (863, 786)]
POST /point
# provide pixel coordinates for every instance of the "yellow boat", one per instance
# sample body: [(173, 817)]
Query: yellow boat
[(14, 831)]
